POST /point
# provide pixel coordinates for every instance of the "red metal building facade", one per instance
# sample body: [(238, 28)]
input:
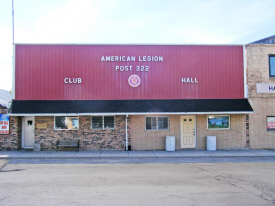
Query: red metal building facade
[(101, 72)]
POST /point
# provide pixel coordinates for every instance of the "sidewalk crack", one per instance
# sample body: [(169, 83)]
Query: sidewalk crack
[(5, 163), (100, 154), (154, 153)]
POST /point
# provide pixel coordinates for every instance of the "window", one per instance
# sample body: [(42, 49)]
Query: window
[(64, 122), (270, 123), (157, 123), (271, 65), (103, 122), (218, 122)]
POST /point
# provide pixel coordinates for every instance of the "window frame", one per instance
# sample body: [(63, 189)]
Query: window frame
[(229, 122), (157, 129), (267, 123), (55, 128), (269, 59), (102, 119)]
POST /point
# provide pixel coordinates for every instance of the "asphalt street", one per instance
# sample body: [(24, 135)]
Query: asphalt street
[(233, 181)]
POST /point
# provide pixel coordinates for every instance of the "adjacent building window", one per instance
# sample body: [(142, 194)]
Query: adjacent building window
[(66, 122), (270, 123), (157, 123), (218, 122), (271, 65), (103, 122)]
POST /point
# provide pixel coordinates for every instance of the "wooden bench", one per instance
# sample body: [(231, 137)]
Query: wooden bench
[(68, 143)]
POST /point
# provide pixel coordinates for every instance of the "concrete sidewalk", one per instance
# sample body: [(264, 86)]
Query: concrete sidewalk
[(29, 154)]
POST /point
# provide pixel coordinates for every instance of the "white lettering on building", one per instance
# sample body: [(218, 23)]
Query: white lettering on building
[(150, 58), (123, 68), (118, 58), (189, 80), (72, 81), (127, 68), (131, 58)]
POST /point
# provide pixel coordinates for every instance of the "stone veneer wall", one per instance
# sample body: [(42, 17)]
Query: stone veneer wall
[(235, 138), (13, 140), (262, 103), (111, 139)]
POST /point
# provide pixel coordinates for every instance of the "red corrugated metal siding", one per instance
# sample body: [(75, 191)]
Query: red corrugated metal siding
[(41, 69)]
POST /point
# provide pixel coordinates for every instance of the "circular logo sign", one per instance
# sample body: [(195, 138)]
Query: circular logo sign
[(134, 80)]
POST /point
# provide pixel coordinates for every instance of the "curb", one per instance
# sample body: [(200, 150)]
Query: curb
[(134, 158)]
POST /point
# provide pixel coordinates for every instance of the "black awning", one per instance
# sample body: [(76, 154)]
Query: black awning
[(130, 106)]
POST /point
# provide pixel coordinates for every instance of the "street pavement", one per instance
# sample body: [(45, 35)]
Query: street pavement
[(207, 184)]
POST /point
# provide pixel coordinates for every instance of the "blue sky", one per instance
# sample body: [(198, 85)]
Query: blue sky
[(131, 22)]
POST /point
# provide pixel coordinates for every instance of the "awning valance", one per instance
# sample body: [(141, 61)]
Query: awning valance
[(198, 106)]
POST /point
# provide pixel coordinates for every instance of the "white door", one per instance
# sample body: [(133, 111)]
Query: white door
[(28, 132), (188, 132)]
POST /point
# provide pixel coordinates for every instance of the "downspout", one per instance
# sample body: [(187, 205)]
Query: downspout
[(126, 133)]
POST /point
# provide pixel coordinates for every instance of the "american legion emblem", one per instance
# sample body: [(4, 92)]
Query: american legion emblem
[(134, 80)]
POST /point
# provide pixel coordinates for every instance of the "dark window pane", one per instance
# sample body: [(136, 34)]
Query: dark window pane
[(148, 123), (97, 122), (109, 122), (154, 123), (165, 122), (60, 122), (160, 123)]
